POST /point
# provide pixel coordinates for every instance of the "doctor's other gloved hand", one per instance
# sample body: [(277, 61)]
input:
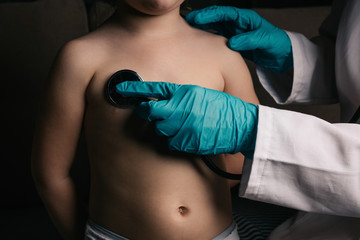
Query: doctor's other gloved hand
[(197, 120), (256, 39)]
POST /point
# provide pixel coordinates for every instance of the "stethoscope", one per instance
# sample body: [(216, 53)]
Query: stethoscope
[(120, 101)]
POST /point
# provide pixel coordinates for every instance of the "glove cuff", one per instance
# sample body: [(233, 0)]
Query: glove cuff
[(247, 147), (286, 62)]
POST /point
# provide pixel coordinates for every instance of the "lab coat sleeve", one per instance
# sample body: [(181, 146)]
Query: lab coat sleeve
[(311, 61), (284, 171)]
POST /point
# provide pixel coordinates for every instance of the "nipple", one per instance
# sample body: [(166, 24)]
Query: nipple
[(183, 210)]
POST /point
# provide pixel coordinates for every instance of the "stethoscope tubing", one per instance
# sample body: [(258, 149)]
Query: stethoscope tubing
[(210, 164)]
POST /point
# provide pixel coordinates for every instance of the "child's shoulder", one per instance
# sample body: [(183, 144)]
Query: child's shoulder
[(202, 35), (86, 50), (214, 42), (84, 45)]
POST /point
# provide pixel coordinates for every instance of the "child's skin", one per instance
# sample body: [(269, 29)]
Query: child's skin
[(136, 190)]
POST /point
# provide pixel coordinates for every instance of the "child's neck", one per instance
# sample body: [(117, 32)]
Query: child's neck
[(141, 24)]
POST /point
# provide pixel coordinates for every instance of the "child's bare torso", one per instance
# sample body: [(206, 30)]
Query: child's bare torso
[(139, 190)]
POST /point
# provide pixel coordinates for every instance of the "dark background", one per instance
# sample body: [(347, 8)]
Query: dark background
[(238, 3), (259, 3)]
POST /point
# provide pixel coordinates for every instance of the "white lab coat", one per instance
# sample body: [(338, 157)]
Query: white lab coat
[(301, 161)]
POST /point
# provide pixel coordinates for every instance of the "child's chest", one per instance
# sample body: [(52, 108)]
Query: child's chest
[(175, 64)]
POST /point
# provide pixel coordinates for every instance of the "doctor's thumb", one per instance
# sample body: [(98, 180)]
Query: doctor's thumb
[(243, 42)]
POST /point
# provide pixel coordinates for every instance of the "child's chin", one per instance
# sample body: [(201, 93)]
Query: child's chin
[(158, 7)]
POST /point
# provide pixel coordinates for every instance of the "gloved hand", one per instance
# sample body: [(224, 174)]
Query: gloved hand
[(257, 39), (195, 119)]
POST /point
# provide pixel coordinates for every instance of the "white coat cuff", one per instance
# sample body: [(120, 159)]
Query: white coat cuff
[(309, 74), (253, 169)]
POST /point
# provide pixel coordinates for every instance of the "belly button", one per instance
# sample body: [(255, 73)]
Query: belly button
[(183, 210)]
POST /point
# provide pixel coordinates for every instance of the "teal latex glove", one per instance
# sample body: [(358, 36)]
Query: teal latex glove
[(195, 119), (256, 39)]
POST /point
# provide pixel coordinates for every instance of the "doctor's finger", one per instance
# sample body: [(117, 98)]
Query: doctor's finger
[(244, 18), (159, 90), (244, 41), (167, 127), (183, 142), (212, 14), (153, 110)]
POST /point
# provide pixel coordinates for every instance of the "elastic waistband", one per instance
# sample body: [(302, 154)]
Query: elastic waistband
[(103, 231), (106, 234), (226, 233)]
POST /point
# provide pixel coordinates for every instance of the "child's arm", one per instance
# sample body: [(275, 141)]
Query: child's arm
[(56, 138), (238, 82)]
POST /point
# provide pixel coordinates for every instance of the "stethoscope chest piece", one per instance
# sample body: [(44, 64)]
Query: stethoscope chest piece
[(116, 99)]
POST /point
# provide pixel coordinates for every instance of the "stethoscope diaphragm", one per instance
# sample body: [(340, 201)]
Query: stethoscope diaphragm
[(115, 98)]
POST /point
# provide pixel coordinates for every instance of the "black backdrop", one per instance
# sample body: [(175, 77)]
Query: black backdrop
[(247, 3), (259, 3)]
